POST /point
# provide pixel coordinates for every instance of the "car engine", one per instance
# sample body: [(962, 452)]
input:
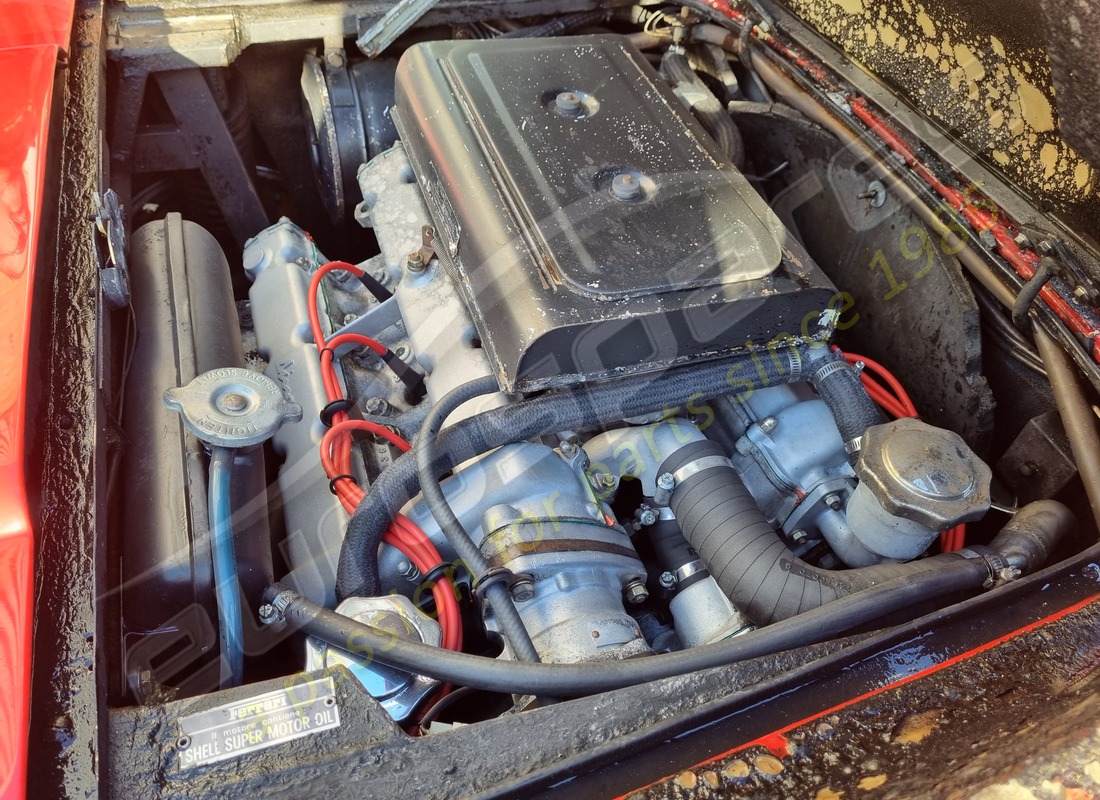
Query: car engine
[(582, 392)]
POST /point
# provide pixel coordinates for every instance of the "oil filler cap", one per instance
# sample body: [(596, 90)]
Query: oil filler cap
[(232, 407), (925, 474)]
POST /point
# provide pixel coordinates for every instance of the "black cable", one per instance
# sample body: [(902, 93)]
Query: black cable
[(375, 287), (1006, 336), (558, 26), (1030, 290), (574, 680), (429, 468), (441, 705), (413, 380)]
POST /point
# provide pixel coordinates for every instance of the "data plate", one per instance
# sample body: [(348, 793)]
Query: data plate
[(261, 721)]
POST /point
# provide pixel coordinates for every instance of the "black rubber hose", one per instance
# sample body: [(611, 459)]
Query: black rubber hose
[(429, 468), (954, 575), (705, 106), (767, 581), (576, 408), (853, 411)]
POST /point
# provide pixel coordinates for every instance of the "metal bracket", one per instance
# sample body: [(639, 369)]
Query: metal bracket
[(109, 240), (402, 16)]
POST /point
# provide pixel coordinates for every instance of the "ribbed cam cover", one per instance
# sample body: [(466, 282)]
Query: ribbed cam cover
[(594, 227)]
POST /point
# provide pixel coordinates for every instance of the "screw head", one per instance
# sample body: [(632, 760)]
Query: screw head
[(667, 580), (799, 536), (647, 516), (636, 593), (666, 481), (376, 406), (833, 501), (768, 424), (626, 186), (568, 104), (415, 262), (568, 449), (267, 613), (523, 590)]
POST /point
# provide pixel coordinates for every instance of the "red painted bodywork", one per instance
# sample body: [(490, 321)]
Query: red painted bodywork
[(31, 36)]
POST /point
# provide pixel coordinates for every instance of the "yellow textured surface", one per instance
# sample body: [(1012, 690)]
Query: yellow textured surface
[(998, 100)]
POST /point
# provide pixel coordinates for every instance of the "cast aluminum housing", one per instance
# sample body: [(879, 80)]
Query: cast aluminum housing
[(598, 234)]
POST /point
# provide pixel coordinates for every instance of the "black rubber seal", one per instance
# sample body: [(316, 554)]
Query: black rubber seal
[(335, 407), (341, 477)]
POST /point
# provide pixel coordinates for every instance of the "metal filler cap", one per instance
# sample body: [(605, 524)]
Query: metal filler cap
[(232, 407), (925, 474)]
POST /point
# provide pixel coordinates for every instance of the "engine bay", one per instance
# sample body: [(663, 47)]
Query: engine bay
[(596, 361)]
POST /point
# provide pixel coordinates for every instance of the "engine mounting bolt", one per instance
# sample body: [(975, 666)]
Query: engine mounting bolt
[(768, 424), (376, 406), (415, 262), (407, 570), (636, 593), (646, 516), (668, 580), (568, 104), (523, 589), (603, 481), (833, 501), (233, 402), (626, 186), (799, 536)]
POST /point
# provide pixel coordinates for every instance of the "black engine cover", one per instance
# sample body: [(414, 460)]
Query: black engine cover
[(595, 227)]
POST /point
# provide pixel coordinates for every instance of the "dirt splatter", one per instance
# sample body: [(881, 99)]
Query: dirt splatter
[(871, 782), (999, 101), (915, 727)]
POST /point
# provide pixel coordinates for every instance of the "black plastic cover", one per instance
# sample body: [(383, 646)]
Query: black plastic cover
[(569, 275)]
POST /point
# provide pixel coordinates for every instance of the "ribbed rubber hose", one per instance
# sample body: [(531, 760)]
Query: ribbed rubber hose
[(429, 468), (575, 408), (557, 27), (853, 411), (761, 575), (705, 106)]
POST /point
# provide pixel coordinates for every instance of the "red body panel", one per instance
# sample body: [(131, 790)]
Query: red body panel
[(31, 35)]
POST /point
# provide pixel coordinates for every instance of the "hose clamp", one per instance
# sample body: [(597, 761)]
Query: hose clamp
[(1000, 571), (853, 446), (829, 369), (274, 613), (687, 570), (796, 364), (698, 465)]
